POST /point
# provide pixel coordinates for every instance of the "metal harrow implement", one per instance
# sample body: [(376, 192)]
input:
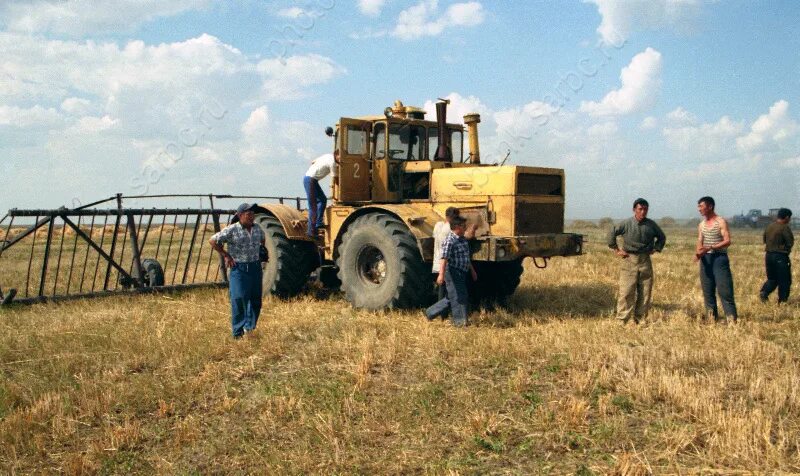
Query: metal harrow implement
[(90, 251)]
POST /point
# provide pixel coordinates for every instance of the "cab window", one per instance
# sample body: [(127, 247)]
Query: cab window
[(379, 138), (406, 142)]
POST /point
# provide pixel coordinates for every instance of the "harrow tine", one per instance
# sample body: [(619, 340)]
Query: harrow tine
[(160, 234), (200, 251), (180, 248), (97, 263), (30, 258), (5, 238), (46, 258), (58, 261), (72, 259), (169, 246), (86, 257)]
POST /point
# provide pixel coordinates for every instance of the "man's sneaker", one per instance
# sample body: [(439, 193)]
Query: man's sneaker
[(762, 298)]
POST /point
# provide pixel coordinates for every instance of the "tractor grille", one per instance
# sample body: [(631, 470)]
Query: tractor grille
[(531, 218), (538, 184)]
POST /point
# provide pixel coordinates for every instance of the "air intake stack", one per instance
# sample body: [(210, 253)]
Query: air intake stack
[(471, 120)]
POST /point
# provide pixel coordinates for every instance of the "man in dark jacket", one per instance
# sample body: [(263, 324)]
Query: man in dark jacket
[(778, 241)]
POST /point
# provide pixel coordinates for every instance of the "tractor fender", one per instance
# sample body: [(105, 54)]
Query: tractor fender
[(419, 220), (294, 221)]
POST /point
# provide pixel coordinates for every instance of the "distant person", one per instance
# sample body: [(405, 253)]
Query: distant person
[(440, 232), (320, 168), (244, 240), (641, 237), (713, 240), (779, 239), (455, 267)]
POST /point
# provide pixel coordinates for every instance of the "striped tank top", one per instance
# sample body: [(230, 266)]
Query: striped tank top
[(712, 235)]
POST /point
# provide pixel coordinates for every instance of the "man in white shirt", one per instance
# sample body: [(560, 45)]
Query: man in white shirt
[(317, 201), (440, 232)]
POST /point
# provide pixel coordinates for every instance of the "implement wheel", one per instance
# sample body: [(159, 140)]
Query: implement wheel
[(289, 263), (380, 265), (153, 273)]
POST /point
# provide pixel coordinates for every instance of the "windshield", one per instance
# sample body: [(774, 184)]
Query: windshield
[(406, 142)]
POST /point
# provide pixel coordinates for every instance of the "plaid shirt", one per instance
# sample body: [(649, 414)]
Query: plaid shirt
[(243, 246), (456, 250)]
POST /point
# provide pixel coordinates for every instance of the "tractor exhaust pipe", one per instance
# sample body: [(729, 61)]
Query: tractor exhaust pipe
[(443, 152), (472, 120)]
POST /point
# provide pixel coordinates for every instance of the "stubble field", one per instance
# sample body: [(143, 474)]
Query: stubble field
[(155, 384)]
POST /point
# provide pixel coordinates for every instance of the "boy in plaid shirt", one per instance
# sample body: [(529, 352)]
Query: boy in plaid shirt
[(456, 264)]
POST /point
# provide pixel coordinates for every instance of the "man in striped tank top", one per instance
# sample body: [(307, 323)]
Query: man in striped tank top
[(713, 240)]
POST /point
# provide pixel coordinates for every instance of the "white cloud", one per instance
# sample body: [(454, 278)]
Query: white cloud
[(421, 20), (36, 116), (459, 107), (264, 143), (603, 130), (79, 17), (708, 142), (76, 106), (620, 18), (292, 12), (371, 8), (774, 127), (680, 115), (641, 80), (791, 163), (648, 123), (290, 78)]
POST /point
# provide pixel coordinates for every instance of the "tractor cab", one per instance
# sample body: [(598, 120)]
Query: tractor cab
[(389, 158)]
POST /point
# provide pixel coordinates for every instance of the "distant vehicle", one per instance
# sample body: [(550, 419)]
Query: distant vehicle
[(754, 218)]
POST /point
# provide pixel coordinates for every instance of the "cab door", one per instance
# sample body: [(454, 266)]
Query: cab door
[(354, 163)]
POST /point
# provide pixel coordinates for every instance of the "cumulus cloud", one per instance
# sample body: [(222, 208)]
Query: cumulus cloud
[(619, 19), (680, 115), (458, 108), (423, 19), (262, 142), (648, 123), (708, 141), (124, 107), (774, 127), (641, 81), (371, 8), (35, 116), (80, 17)]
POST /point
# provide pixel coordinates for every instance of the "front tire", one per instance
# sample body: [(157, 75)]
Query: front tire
[(380, 265)]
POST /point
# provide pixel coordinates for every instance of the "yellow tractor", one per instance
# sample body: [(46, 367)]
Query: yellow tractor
[(397, 175)]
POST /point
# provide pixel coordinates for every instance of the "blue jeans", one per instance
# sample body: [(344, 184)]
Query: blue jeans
[(317, 201), (245, 290), (457, 300), (715, 275)]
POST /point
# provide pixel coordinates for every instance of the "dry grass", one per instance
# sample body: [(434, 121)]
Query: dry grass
[(154, 384)]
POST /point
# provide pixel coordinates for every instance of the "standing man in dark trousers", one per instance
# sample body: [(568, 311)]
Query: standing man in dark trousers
[(244, 240), (641, 237), (455, 267), (779, 239), (320, 168), (713, 240)]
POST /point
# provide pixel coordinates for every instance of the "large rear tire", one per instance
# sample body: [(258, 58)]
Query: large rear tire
[(380, 265), (289, 263)]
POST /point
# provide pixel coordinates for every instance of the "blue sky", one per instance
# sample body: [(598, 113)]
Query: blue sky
[(667, 99)]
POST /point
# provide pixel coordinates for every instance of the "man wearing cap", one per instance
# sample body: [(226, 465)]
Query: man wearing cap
[(641, 238), (317, 201), (244, 240)]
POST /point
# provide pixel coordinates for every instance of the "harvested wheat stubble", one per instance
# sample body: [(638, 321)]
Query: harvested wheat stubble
[(154, 384)]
